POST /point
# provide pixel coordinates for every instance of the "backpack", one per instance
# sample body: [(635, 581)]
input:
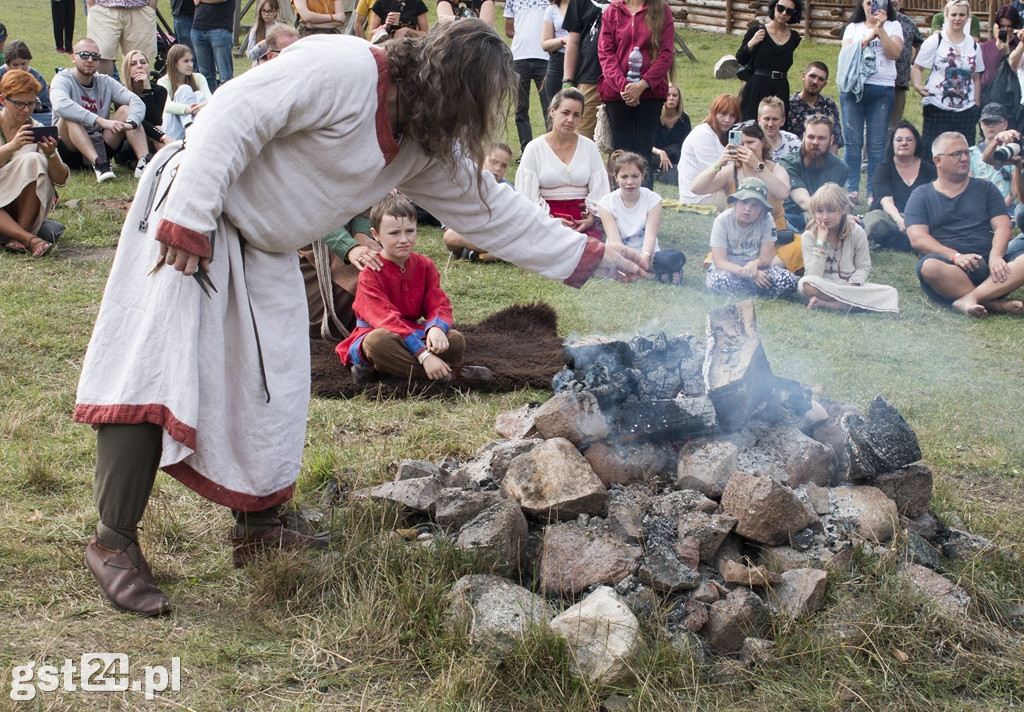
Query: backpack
[(1004, 89)]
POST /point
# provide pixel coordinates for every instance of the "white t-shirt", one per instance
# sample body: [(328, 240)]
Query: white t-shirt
[(632, 222), (700, 149), (885, 68), (528, 16), (742, 244), (555, 18), (950, 84)]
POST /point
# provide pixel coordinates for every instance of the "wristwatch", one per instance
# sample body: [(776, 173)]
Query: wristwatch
[(132, 124)]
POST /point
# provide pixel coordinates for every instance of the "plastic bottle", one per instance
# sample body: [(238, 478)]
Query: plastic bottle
[(636, 61)]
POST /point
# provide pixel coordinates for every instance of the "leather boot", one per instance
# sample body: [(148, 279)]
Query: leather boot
[(467, 377), (129, 587), (249, 548)]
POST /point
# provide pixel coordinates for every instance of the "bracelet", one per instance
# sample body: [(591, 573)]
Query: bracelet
[(331, 15), (568, 82), (716, 166), (819, 243), (423, 356)]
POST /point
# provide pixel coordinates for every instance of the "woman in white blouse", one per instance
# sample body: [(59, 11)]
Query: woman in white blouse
[(563, 171)]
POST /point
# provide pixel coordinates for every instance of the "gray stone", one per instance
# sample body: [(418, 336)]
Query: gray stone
[(418, 495), (726, 67), (918, 551), (706, 466), (756, 651), (909, 487), (944, 593), (801, 458), (574, 416), (705, 592), (732, 619), (818, 497), (517, 424), (688, 646), (498, 612), (625, 464), (674, 504), (866, 511), (958, 544), (455, 506), (472, 474), (740, 574), (663, 570), (576, 556), (786, 558), (505, 452), (800, 592), (766, 511), (414, 469), (602, 635), (626, 520), (554, 480), (710, 531), (880, 442), (496, 537), (927, 525), (641, 599), (813, 418)]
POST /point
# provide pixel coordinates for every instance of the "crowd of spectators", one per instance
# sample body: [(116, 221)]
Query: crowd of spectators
[(612, 63)]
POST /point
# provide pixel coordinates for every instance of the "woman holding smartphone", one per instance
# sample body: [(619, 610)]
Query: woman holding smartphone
[(30, 167)]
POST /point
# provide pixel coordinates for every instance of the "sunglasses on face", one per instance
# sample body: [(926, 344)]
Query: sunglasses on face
[(94, 56), (785, 10)]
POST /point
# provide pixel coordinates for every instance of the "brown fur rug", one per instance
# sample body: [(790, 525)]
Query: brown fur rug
[(520, 344)]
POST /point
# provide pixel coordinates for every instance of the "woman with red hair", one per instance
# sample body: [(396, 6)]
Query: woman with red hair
[(705, 144), (29, 169)]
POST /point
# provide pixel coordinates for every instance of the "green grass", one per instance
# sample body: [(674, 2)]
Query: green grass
[(364, 628)]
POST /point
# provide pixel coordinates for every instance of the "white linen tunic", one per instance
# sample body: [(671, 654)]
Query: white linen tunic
[(273, 162)]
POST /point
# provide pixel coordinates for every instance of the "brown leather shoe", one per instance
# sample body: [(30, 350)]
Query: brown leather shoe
[(129, 587), (478, 377), (249, 548)]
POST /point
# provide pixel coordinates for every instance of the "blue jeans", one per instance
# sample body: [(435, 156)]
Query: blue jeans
[(183, 31), (872, 111), (213, 55)]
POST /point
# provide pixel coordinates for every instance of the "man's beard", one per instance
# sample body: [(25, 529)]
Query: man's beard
[(815, 161)]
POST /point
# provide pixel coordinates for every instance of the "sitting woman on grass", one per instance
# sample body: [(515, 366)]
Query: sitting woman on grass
[(743, 246), (135, 76), (29, 170), (563, 171), (837, 261), (705, 144), (187, 92)]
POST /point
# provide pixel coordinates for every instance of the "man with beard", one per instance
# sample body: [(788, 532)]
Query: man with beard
[(955, 223), (811, 167), (809, 101)]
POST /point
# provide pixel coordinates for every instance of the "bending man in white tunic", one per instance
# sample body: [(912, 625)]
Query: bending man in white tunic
[(214, 389)]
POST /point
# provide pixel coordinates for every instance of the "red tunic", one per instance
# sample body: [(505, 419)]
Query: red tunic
[(396, 299)]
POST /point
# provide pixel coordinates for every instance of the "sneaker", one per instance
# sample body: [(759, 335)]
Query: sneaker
[(103, 172), (140, 167)]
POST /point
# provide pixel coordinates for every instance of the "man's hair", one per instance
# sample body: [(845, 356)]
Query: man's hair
[(498, 146), (278, 30), (772, 101), (394, 205), (942, 138), (819, 119), (818, 65)]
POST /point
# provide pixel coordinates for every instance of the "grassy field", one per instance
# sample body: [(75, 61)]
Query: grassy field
[(363, 629)]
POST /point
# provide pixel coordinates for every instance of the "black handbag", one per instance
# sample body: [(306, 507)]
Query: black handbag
[(746, 71)]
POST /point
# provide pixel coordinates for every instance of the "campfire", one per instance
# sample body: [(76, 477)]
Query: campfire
[(671, 475)]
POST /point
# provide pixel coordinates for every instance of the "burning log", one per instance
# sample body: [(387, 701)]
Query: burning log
[(737, 376)]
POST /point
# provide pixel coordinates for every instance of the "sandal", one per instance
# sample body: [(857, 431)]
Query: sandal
[(40, 246), (15, 246)]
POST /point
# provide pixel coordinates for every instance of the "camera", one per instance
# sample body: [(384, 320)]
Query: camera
[(1007, 151), (1003, 35)]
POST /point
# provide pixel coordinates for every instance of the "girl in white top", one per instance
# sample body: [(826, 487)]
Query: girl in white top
[(631, 215), (187, 92), (267, 18), (562, 171)]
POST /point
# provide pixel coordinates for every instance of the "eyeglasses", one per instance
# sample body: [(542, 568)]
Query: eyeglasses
[(268, 11), (20, 105), (94, 56), (271, 53), (955, 155), (785, 9)]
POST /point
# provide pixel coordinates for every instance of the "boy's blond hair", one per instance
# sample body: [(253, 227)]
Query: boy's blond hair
[(394, 205)]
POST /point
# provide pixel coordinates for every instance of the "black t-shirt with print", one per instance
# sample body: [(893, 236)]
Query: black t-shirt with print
[(408, 12)]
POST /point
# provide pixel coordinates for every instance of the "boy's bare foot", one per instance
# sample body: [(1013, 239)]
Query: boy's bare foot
[(1000, 306), (970, 308), (813, 304)]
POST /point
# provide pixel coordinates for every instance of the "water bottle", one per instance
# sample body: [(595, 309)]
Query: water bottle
[(636, 61)]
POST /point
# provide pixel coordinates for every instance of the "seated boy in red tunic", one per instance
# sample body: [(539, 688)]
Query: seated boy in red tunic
[(403, 317)]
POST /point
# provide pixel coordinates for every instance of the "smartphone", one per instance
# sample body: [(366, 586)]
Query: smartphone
[(41, 132), (877, 5), (735, 137)]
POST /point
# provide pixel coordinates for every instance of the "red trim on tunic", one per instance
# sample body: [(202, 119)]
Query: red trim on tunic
[(385, 136), (593, 253), (222, 495), (183, 238), (134, 414)]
